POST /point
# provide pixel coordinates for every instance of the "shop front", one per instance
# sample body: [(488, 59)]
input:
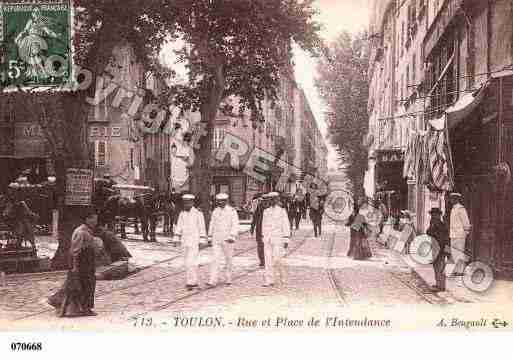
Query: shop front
[(391, 187), (482, 148), (24, 150)]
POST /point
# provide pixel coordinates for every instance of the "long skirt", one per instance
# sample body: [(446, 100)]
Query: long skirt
[(359, 247), (77, 293)]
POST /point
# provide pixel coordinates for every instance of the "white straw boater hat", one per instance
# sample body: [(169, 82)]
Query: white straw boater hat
[(188, 196), (222, 196), (273, 195)]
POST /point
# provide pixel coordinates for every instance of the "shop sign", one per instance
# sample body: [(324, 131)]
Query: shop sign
[(390, 156), (29, 140), (79, 187), (102, 132)]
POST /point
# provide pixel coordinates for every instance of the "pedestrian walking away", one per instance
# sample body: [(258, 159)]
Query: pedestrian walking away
[(316, 210), (460, 228), (256, 228), (223, 232), (295, 210), (276, 234), (190, 231), (359, 248), (439, 232)]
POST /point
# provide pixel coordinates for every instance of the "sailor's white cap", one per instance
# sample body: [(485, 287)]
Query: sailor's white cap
[(455, 194), (188, 196), (222, 196), (272, 195), (406, 214), (14, 185), (52, 179)]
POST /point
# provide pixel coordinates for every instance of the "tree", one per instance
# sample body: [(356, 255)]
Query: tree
[(236, 48), (343, 83)]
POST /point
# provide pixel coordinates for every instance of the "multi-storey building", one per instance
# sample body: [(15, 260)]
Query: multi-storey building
[(446, 124), (395, 109), (272, 135), (310, 145), (288, 132), (120, 149)]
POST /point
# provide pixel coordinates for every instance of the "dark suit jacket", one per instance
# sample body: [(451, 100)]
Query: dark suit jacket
[(256, 224)]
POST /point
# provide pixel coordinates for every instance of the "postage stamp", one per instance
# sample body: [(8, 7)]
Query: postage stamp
[(35, 40)]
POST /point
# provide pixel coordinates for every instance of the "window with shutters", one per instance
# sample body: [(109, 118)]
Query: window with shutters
[(402, 38), (218, 137), (422, 8), (413, 70), (408, 27), (407, 87), (100, 153)]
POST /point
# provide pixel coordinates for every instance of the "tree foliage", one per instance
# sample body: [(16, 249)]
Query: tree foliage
[(343, 84), (238, 48)]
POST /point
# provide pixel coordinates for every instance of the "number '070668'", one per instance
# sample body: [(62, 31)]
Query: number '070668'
[(17, 346)]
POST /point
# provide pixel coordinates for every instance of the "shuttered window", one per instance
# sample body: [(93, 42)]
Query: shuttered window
[(218, 137), (100, 153)]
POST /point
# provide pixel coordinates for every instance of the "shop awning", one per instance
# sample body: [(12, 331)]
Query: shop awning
[(464, 106)]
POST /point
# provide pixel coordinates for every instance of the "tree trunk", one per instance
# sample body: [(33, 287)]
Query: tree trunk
[(203, 172), (72, 135), (70, 216)]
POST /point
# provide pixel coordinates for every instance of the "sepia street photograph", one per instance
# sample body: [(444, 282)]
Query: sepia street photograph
[(257, 166)]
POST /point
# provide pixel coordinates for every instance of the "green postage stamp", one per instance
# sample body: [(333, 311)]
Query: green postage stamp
[(35, 40)]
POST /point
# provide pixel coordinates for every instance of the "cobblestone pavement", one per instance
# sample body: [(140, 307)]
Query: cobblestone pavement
[(321, 279)]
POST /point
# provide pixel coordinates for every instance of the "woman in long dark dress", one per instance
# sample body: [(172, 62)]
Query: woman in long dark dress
[(76, 297), (359, 248)]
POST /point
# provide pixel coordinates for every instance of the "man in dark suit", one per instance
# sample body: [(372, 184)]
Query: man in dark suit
[(256, 228), (440, 233)]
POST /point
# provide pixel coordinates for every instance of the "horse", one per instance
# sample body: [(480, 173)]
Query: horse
[(145, 208)]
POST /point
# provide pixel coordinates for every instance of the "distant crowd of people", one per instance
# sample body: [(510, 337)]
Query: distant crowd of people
[(372, 221)]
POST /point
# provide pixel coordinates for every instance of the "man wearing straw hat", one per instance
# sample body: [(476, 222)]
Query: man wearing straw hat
[(459, 230), (223, 231), (190, 230), (276, 234)]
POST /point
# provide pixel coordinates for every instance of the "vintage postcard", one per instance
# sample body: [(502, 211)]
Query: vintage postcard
[(322, 166)]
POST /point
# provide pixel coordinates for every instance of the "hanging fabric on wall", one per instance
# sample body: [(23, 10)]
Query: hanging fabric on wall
[(439, 167)]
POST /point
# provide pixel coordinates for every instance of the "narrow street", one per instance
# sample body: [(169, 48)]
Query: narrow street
[(321, 278)]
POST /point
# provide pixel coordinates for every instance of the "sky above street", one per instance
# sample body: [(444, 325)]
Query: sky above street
[(336, 16)]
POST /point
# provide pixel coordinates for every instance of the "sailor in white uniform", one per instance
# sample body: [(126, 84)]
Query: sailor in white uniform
[(190, 230), (223, 232), (275, 235)]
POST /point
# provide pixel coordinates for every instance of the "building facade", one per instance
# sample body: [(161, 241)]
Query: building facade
[(288, 132), (273, 134), (310, 145), (449, 112), (120, 148)]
